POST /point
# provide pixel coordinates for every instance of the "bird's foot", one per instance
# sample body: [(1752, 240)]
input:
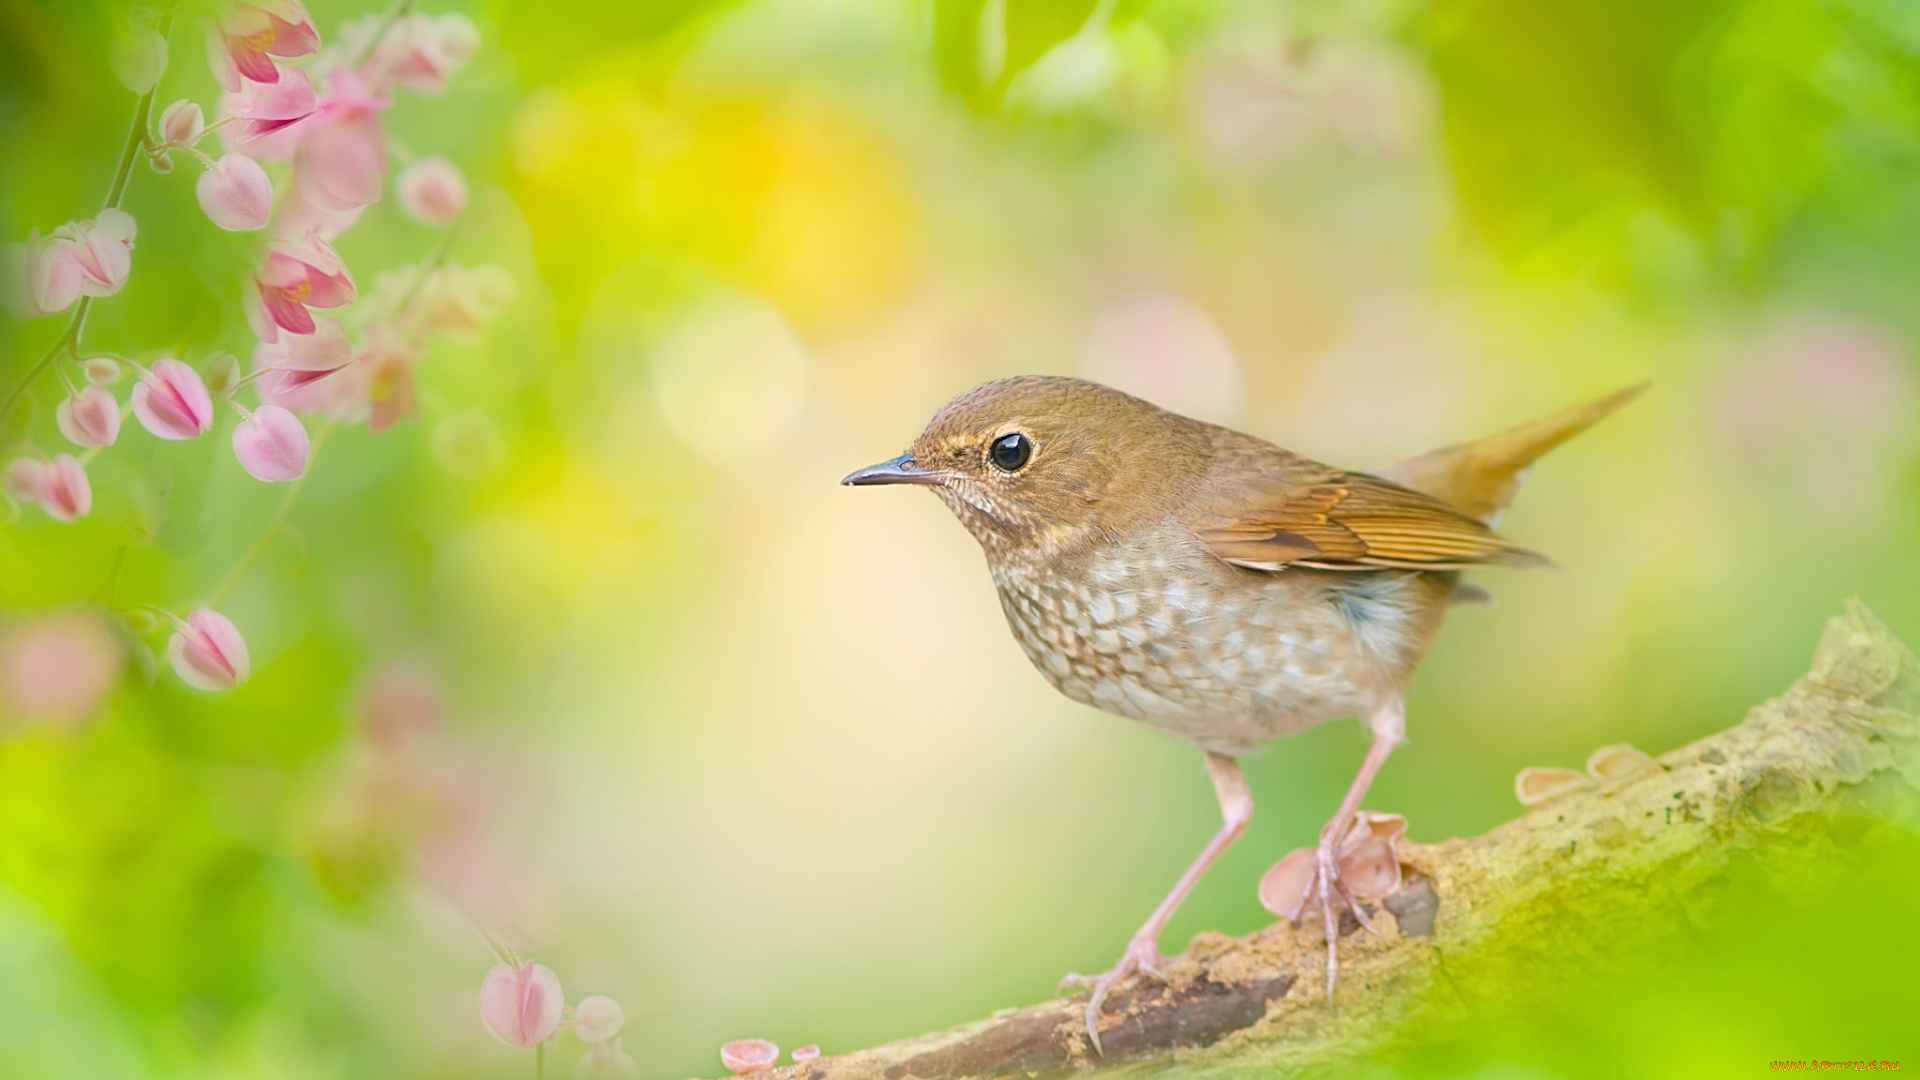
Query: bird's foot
[(1142, 957), (1354, 861)]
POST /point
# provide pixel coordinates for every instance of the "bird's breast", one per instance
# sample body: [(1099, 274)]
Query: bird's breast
[(1224, 657)]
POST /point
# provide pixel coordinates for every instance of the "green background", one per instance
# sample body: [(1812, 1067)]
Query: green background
[(755, 754)]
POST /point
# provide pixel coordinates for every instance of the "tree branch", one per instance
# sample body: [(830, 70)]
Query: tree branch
[(1536, 897)]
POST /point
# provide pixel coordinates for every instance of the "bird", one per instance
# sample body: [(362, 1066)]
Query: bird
[(1214, 586)]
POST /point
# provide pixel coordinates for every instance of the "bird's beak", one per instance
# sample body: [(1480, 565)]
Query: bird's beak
[(900, 470)]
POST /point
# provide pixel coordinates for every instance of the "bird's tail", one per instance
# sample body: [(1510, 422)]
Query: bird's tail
[(1481, 476)]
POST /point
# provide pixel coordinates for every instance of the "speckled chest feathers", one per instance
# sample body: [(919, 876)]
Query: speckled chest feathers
[(1157, 629)]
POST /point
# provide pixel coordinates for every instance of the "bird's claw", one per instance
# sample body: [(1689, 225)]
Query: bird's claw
[(1142, 957)]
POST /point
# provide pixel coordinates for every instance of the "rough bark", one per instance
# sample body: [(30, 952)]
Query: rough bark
[(1562, 892)]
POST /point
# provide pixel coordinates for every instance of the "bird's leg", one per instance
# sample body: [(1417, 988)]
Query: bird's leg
[(1389, 724), (1143, 953)]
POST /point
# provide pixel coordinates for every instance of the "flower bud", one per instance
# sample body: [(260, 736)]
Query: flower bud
[(182, 123), (58, 666), (222, 373), (748, 1055), (41, 276), (138, 57), (271, 445), (521, 1006), (598, 1018), (89, 418), (804, 1054), (432, 191), (172, 402), (160, 161), (101, 370), (23, 479), (65, 493), (208, 653), (236, 193)]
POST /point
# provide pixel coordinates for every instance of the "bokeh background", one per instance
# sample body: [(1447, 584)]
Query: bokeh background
[(595, 649)]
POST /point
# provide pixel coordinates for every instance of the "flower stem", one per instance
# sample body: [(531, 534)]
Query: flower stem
[(540, 1062), (273, 525), (69, 340)]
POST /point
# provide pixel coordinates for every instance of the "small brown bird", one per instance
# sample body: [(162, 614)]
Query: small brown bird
[(1213, 585)]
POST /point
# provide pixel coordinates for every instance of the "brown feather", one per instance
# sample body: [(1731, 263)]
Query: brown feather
[(1480, 477), (1267, 508)]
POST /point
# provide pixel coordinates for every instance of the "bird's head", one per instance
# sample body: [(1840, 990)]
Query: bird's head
[(1036, 464)]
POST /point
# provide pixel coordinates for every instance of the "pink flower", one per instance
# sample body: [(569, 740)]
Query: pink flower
[(81, 258), (236, 193), (41, 276), (432, 191), (241, 43), (802, 1054), (299, 274), (598, 1018), (417, 51), (521, 1006), (172, 402), (65, 493), (269, 110), (104, 247), (271, 445), (748, 1055), (207, 652), (182, 122), (57, 666), (307, 358), (89, 418), (341, 158)]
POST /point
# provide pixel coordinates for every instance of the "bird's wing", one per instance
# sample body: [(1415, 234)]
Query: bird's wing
[(1274, 509)]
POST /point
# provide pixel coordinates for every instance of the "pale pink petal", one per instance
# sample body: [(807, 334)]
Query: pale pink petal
[(802, 1054), (1284, 887), (521, 1007), (748, 1055), (172, 402), (89, 418), (65, 493), (271, 445), (236, 194), (598, 1018), (208, 653)]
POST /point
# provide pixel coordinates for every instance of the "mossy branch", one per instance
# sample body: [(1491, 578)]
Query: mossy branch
[(1565, 892)]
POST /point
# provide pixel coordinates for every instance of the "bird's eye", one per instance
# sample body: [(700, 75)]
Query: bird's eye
[(1010, 452)]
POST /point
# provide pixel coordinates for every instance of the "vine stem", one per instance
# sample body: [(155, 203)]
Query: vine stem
[(69, 340), (274, 523)]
